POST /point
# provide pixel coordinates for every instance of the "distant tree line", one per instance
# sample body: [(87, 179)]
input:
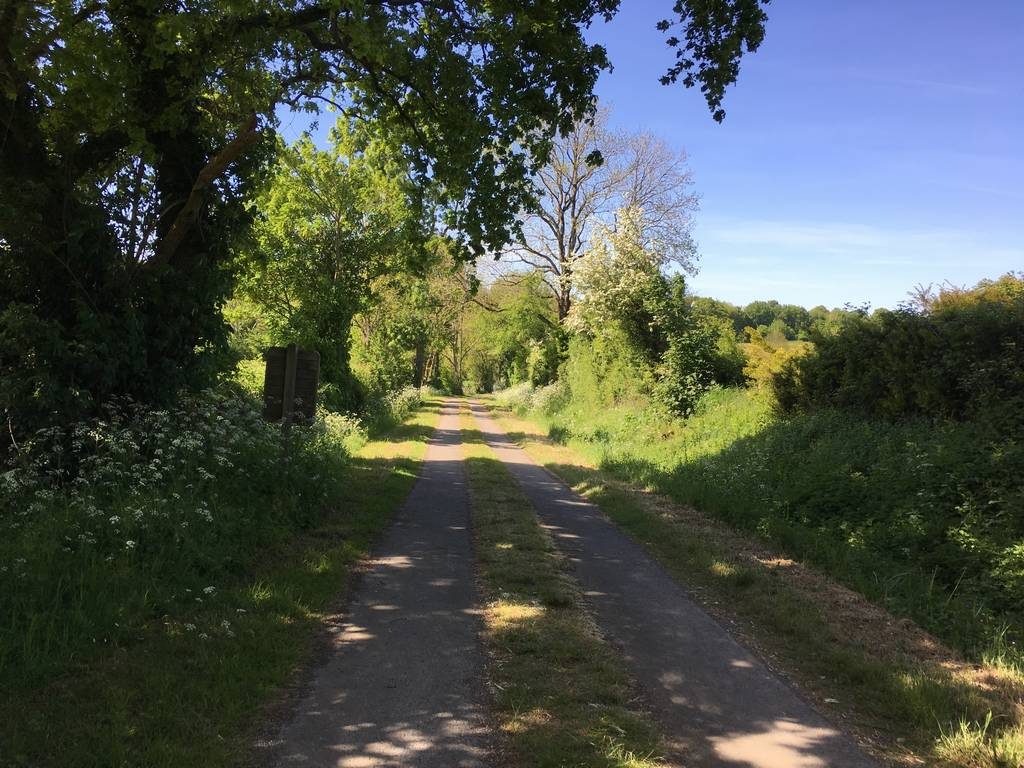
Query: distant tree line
[(775, 320)]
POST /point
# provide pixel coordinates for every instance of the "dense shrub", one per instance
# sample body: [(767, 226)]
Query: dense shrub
[(346, 428), (103, 324), (524, 398), (925, 516), (601, 373), (955, 354), (543, 358), (549, 398), (111, 521), (728, 361), (766, 358), (248, 375), (686, 350), (348, 396), (517, 397)]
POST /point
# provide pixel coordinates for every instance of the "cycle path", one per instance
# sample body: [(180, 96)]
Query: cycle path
[(716, 704), (403, 684)]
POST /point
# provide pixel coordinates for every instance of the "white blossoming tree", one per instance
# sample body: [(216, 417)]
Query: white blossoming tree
[(615, 276), (624, 298)]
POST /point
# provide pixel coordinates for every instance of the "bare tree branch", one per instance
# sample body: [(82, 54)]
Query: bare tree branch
[(638, 170)]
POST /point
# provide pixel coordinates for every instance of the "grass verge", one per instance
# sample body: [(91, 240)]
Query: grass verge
[(909, 698), (924, 516), (562, 696), (188, 689)]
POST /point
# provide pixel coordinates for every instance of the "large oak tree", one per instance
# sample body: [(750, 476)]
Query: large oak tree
[(591, 174)]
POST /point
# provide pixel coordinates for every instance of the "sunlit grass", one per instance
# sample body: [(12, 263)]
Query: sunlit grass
[(972, 743)]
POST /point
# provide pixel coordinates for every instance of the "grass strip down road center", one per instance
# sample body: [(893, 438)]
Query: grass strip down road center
[(561, 693)]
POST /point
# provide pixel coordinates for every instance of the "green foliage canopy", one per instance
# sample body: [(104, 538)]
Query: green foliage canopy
[(521, 340), (135, 130), (714, 36), (416, 321), (328, 224)]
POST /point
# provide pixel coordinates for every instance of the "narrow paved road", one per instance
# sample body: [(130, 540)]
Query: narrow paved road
[(717, 705), (404, 685)]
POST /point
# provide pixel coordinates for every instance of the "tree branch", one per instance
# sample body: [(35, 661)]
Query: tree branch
[(218, 164)]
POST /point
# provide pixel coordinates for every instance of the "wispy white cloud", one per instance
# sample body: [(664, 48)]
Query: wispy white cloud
[(813, 262), (1011, 193), (908, 80), (916, 83), (869, 244)]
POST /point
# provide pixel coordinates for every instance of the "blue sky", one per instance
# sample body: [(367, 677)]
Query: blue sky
[(869, 146)]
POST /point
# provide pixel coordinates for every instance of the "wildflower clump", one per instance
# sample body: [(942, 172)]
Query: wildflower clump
[(110, 522)]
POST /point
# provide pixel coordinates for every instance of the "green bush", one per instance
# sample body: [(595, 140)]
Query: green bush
[(600, 372), (344, 427), (393, 407), (524, 398), (669, 348), (112, 521), (728, 360), (248, 374), (542, 359), (102, 327), (518, 397), (926, 517), (766, 359), (959, 353), (549, 399)]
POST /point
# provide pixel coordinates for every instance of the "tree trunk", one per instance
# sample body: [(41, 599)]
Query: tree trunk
[(564, 301), (419, 363)]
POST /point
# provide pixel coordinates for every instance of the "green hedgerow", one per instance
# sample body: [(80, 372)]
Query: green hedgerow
[(111, 521)]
